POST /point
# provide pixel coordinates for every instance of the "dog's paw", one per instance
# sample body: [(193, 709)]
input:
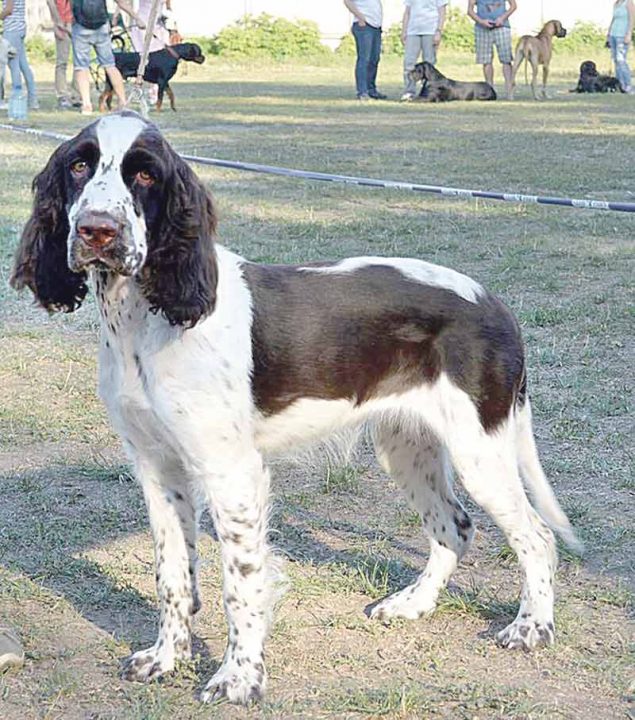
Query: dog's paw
[(146, 665), (406, 604), (241, 684), (527, 634)]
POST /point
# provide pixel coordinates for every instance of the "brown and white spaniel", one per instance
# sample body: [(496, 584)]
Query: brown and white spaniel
[(208, 362)]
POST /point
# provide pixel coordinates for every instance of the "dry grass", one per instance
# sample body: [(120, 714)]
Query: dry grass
[(75, 553)]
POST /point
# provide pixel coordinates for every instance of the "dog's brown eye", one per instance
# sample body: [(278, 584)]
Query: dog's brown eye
[(144, 178), (79, 167)]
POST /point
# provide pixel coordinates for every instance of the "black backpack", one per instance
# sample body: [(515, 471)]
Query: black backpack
[(91, 14)]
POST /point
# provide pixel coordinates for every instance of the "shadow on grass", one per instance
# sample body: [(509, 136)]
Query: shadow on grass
[(50, 516)]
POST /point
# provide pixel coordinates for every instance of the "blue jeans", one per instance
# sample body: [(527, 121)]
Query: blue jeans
[(619, 50), (368, 44), (20, 64)]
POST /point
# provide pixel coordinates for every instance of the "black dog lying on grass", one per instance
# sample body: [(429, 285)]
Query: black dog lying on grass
[(162, 65), (438, 88), (591, 81)]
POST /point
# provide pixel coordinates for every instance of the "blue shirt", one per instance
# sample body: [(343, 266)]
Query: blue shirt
[(619, 24), (491, 9)]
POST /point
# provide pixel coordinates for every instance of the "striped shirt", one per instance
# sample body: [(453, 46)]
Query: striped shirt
[(16, 22)]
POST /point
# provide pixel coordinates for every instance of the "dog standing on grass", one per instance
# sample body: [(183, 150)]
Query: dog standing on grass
[(537, 51), (161, 68), (210, 362)]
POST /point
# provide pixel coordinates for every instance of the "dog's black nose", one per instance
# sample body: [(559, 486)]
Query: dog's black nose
[(97, 229)]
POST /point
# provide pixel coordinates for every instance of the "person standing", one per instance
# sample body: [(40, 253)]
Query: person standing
[(619, 40), (14, 32), (366, 30), (62, 16), (160, 37), (491, 28), (91, 29), (421, 30)]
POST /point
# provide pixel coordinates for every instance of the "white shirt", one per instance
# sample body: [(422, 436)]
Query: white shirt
[(371, 10), (424, 16)]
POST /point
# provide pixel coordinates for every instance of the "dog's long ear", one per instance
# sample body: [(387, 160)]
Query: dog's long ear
[(41, 257), (180, 274)]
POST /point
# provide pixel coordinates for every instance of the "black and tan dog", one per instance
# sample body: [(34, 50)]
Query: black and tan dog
[(537, 51), (162, 65), (590, 80), (438, 88)]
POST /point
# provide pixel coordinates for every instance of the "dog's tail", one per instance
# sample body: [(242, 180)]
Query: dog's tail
[(520, 55), (534, 478)]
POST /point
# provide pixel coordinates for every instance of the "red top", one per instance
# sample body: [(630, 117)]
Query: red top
[(65, 11)]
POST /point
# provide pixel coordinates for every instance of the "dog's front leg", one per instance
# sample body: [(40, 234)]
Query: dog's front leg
[(238, 498), (173, 521)]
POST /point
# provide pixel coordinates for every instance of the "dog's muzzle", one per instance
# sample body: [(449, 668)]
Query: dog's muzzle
[(102, 239)]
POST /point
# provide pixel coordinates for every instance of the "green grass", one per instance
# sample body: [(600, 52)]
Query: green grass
[(76, 577)]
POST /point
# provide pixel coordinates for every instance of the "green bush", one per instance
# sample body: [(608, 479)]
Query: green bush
[(458, 33), (391, 40), (271, 37), (582, 36), (39, 49), (346, 47), (209, 45)]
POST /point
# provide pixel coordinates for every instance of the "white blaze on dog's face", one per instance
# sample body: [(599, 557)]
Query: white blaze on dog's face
[(107, 223)]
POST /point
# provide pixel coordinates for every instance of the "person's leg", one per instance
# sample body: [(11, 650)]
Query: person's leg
[(484, 52), (27, 74), (622, 71), (373, 63), (62, 50), (106, 59), (81, 38), (117, 84), (411, 50), (82, 78), (503, 40), (507, 74), (14, 38), (363, 44), (428, 50)]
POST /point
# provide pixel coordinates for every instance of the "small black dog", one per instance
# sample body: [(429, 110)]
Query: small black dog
[(438, 88), (591, 81), (162, 65)]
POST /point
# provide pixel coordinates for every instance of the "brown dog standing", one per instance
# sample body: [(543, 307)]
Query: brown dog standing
[(537, 51)]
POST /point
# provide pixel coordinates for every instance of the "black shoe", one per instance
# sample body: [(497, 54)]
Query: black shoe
[(378, 96)]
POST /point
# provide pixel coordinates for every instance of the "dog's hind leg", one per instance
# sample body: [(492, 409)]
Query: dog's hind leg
[(171, 97), (518, 58), (487, 463), (534, 74), (545, 77), (418, 463)]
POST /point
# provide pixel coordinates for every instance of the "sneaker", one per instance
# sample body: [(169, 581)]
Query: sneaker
[(4, 105), (377, 96), (363, 97), (34, 104), (64, 103), (406, 97)]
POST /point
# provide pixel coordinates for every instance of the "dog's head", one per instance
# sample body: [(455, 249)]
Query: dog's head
[(7, 51), (426, 72), (588, 69), (117, 198), (557, 29), (190, 52)]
